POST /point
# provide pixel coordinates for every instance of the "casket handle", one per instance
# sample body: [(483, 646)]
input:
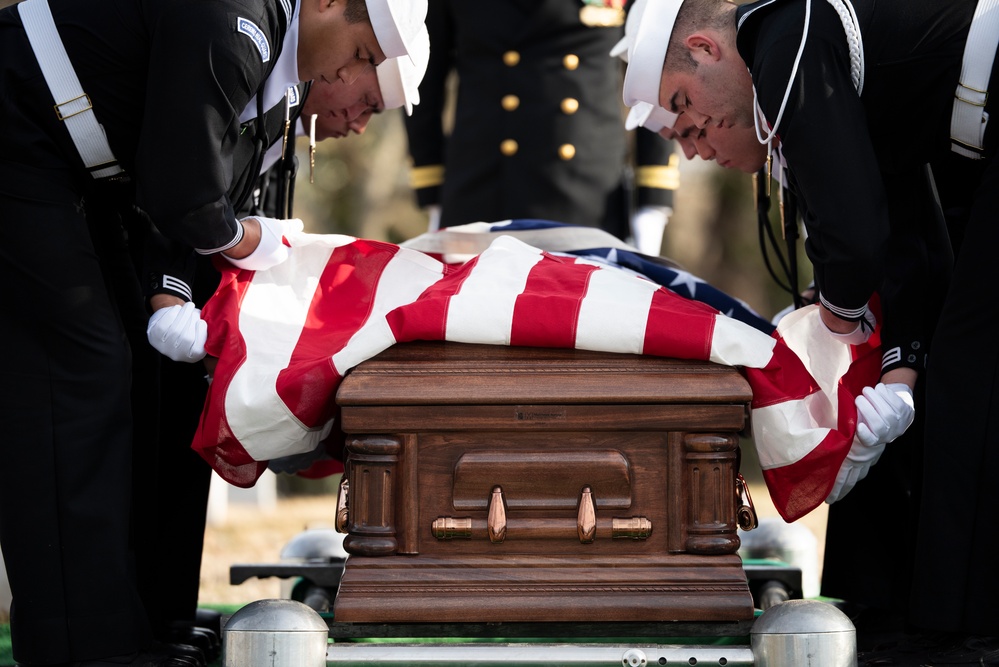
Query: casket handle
[(746, 512), (496, 521), (497, 525), (586, 517), (342, 511)]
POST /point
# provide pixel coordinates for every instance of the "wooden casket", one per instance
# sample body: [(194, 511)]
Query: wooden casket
[(502, 484)]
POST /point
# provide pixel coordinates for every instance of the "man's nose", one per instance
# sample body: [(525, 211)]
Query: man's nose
[(349, 72), (354, 111), (705, 151), (698, 119), (689, 149)]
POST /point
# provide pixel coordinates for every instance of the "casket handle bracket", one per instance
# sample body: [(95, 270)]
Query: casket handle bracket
[(746, 512), (342, 506)]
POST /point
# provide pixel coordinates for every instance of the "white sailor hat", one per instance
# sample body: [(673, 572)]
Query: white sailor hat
[(650, 116), (648, 51), (397, 24), (399, 78), (623, 46)]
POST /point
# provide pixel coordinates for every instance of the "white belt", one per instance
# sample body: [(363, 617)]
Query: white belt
[(75, 109), (968, 121)]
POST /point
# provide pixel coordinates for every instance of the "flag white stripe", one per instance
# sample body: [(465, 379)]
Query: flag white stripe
[(735, 343), (796, 425), (407, 275), (271, 318), (614, 313), (482, 310)]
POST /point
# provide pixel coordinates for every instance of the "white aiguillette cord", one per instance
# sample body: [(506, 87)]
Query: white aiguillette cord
[(851, 26), (312, 148)]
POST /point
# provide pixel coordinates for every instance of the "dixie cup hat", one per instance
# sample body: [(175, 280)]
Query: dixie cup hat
[(650, 116), (399, 78), (623, 46), (648, 51), (397, 24)]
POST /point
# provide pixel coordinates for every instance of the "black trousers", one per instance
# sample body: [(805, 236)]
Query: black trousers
[(871, 533), (65, 455), (956, 582), (170, 482)]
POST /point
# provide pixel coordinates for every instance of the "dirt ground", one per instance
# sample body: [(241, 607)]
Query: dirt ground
[(250, 535)]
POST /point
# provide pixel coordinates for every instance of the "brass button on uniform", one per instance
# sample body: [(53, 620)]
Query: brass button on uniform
[(511, 58), (508, 147), (567, 151), (510, 102), (570, 62), (570, 105)]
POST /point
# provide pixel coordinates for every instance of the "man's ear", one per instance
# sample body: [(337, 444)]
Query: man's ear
[(703, 47), (325, 5)]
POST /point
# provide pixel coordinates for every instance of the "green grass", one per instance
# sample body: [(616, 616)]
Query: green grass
[(6, 659)]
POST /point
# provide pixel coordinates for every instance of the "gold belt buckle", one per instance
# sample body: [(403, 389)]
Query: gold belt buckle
[(61, 116)]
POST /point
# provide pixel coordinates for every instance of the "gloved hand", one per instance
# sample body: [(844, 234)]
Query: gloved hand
[(647, 227), (884, 412), (433, 217), (858, 336), (178, 332), (272, 249), (855, 467)]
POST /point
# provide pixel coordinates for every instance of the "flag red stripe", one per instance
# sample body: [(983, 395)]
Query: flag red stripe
[(546, 313), (341, 305), (679, 327), (426, 318), (214, 440)]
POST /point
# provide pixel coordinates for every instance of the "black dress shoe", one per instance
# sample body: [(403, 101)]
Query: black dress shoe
[(969, 650), (945, 649), (145, 659), (192, 653), (209, 618), (207, 641)]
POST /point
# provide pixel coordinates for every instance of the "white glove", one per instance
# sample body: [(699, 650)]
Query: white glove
[(271, 250), (859, 335), (647, 227), (434, 217), (884, 412), (178, 332)]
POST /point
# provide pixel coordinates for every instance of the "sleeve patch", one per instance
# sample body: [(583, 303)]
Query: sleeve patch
[(250, 29)]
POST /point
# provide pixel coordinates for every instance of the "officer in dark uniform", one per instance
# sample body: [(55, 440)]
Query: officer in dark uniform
[(537, 123), (80, 126), (168, 397), (879, 91), (171, 481)]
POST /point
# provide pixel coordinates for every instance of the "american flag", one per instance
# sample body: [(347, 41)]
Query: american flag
[(285, 338)]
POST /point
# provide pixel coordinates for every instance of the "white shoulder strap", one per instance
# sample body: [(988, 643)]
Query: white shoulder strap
[(968, 120), (72, 106)]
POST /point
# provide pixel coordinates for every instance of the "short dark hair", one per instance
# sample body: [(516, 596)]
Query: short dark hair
[(356, 11), (694, 15)]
